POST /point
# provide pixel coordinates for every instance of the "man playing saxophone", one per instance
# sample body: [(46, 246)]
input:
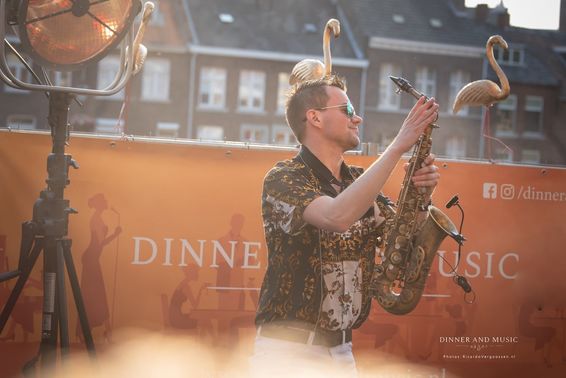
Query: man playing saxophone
[(322, 224)]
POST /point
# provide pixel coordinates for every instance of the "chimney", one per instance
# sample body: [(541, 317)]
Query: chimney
[(562, 26), (482, 11), (503, 19), (459, 4)]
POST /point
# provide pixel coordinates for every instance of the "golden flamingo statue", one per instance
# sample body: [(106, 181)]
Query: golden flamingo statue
[(140, 51), (485, 92), (310, 69)]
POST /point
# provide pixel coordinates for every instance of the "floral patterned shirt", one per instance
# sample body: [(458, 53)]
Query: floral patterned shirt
[(293, 289)]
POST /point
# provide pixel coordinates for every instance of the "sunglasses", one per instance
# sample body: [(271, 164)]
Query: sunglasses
[(347, 108)]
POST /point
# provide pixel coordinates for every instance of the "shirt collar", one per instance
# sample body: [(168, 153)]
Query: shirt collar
[(321, 172)]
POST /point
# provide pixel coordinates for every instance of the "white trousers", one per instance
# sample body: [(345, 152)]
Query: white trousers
[(274, 358)]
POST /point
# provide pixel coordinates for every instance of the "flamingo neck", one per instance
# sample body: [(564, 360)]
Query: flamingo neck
[(326, 51), (504, 91), (141, 31)]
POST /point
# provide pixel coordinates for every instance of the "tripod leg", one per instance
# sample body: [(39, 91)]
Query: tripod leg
[(50, 319), (16, 291), (28, 237), (85, 327), (62, 301)]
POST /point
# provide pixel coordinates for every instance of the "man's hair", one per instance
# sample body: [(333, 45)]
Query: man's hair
[(307, 95)]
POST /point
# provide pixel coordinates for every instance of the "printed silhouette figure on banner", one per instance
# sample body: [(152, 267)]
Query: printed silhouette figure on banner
[(543, 335), (384, 331), (227, 276), (452, 317), (27, 305), (182, 293), (232, 285), (92, 281)]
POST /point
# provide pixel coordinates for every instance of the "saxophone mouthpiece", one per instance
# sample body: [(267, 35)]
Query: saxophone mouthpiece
[(402, 84)]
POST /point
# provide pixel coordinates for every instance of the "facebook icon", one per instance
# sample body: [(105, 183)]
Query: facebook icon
[(489, 190)]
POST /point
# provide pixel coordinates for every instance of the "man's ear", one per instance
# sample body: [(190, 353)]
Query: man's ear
[(313, 117)]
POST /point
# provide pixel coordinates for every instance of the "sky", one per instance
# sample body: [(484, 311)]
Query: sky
[(539, 14)]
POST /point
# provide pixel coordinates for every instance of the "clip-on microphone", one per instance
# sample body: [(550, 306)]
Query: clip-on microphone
[(459, 280)]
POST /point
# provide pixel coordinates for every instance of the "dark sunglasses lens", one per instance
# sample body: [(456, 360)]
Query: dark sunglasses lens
[(350, 109)]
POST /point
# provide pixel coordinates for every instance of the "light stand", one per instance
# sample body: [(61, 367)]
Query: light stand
[(47, 231)]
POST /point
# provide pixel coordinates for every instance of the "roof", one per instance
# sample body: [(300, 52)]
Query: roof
[(375, 18), (267, 25), (534, 71)]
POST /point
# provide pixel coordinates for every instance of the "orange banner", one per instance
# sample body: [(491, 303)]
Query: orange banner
[(168, 237)]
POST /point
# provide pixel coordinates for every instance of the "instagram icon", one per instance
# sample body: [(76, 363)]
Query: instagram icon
[(507, 191), (489, 190)]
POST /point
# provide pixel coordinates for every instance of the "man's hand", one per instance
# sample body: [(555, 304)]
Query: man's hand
[(421, 115), (427, 176)]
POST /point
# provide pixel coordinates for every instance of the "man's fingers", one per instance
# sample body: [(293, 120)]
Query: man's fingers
[(429, 160), (426, 183), (426, 169)]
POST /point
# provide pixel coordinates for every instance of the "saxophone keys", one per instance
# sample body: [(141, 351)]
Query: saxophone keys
[(391, 272), (395, 258), (400, 242)]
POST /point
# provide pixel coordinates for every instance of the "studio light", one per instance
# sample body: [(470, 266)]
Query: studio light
[(66, 34)]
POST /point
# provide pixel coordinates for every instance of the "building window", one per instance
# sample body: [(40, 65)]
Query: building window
[(283, 135), (388, 99), (513, 56), (530, 156), (168, 129), (455, 147), (19, 70), (61, 79), (107, 70), (21, 122), (425, 81), (109, 126), (458, 79), (252, 91), (503, 154), (156, 79), (254, 133), (533, 114), (505, 114), (384, 141), (212, 88), (210, 133), (282, 89)]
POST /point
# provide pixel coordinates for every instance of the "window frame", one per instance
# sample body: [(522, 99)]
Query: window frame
[(214, 82), (388, 100), (109, 66), (254, 127), (504, 104), (248, 79), (534, 133), (458, 79), (157, 87), (424, 77), (29, 116)]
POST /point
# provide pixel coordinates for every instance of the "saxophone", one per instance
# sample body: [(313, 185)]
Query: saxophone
[(398, 281)]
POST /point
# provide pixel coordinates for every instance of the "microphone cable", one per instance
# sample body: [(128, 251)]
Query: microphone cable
[(458, 279)]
